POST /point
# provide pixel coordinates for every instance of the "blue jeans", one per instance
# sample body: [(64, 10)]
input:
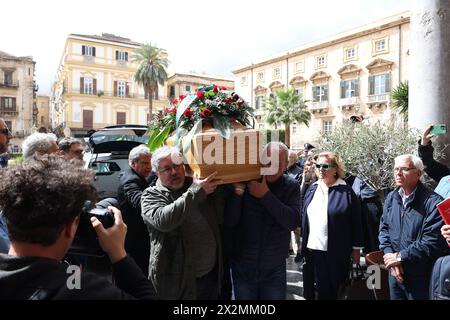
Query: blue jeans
[(253, 283), (411, 289)]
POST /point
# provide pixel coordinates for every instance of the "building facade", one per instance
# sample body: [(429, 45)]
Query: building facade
[(350, 73), (186, 83), (95, 86), (43, 114), (17, 92)]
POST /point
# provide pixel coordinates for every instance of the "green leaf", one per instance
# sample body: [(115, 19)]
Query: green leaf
[(159, 139), (222, 124)]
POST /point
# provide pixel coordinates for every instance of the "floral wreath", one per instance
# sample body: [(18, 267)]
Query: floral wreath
[(211, 105)]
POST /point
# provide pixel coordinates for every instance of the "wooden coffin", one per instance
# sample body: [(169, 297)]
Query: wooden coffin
[(235, 159)]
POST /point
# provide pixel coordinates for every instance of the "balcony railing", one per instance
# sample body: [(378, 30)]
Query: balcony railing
[(378, 98), (8, 112), (352, 101), (9, 84), (101, 93), (319, 106)]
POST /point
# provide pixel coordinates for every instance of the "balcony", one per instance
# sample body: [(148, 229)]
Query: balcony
[(378, 100), (348, 103), (101, 93), (9, 84), (319, 107), (8, 112)]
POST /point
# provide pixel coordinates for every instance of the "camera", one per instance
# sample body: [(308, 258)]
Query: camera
[(85, 241)]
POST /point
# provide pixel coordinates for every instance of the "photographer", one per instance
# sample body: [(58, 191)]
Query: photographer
[(42, 199)]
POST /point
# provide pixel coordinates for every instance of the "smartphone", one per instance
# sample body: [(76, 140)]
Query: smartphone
[(439, 129)]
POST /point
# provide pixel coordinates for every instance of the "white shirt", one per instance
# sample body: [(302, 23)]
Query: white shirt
[(317, 212)]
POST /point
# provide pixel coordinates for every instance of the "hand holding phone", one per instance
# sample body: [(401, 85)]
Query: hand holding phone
[(439, 129)]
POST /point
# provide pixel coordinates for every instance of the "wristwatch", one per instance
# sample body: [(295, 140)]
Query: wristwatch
[(399, 257)]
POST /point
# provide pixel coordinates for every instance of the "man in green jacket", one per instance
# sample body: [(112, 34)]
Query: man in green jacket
[(183, 216)]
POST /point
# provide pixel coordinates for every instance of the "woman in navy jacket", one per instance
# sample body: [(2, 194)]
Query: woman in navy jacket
[(331, 229)]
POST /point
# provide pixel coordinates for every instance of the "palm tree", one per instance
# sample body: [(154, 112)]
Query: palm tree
[(151, 71), (285, 109), (400, 99)]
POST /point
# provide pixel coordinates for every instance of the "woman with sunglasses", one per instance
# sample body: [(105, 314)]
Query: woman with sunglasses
[(331, 229)]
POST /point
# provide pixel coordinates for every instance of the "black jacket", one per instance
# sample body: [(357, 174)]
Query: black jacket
[(137, 242), (433, 168), (37, 278), (413, 231)]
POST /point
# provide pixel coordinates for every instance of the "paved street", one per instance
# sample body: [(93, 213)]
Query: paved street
[(294, 280)]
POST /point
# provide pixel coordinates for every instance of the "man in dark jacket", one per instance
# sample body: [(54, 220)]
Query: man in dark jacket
[(409, 231), (133, 182), (42, 199), (263, 214)]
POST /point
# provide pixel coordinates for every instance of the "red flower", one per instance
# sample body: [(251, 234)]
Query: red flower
[(223, 88), (166, 110), (215, 89), (200, 95), (205, 113), (181, 97), (228, 100), (188, 113), (174, 101), (240, 103), (174, 110)]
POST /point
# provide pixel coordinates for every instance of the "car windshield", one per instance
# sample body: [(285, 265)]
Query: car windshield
[(118, 137)]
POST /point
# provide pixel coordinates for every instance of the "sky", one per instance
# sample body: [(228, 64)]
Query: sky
[(213, 37)]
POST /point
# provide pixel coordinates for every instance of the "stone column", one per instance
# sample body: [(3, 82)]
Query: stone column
[(429, 67)]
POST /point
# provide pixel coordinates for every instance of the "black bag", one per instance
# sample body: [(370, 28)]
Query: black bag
[(440, 279), (355, 286)]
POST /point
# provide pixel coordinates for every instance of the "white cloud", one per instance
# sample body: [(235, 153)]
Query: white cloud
[(203, 36)]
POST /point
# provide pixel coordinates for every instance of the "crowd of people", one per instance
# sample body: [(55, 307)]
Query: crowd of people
[(191, 238)]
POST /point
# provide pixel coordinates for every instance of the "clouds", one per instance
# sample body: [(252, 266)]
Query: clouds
[(203, 36)]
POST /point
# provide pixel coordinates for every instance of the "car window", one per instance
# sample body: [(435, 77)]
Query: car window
[(105, 167), (108, 138)]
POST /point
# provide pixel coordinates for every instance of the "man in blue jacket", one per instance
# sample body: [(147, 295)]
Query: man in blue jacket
[(263, 214), (409, 231)]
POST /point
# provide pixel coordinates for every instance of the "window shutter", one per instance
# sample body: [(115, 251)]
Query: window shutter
[(387, 82), (81, 84), (115, 88), (342, 89), (88, 119), (325, 92), (121, 117), (127, 92), (93, 51), (371, 85), (14, 103), (117, 55), (314, 93), (356, 82), (126, 56), (83, 50), (94, 84)]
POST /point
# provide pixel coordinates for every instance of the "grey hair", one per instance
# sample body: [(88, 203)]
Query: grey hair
[(65, 143), (164, 152), (280, 146), (417, 162), (137, 152), (38, 142)]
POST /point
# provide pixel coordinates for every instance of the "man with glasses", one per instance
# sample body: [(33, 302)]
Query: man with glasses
[(409, 231), (5, 136), (71, 148), (182, 216)]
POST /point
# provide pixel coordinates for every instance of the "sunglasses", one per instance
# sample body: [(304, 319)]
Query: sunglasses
[(325, 166)]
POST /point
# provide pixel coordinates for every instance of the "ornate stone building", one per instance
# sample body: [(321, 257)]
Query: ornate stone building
[(186, 83), (350, 73), (95, 86), (17, 92)]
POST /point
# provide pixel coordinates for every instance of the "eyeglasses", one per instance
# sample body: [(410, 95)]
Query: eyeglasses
[(5, 131), (403, 169), (325, 166), (169, 169)]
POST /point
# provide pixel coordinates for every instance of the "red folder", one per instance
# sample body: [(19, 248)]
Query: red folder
[(444, 210)]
